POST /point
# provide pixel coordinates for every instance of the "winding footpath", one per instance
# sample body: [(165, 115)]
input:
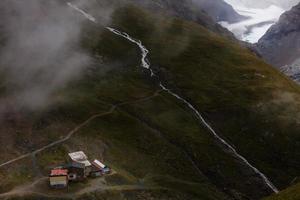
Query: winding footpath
[(70, 134), (77, 128), (146, 65), (94, 186)]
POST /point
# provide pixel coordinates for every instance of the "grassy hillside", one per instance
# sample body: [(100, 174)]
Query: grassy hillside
[(292, 193), (248, 102), (154, 143)]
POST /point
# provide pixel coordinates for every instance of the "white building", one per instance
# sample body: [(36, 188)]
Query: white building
[(79, 157)]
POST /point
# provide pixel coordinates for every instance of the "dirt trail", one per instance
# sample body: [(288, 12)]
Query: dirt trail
[(22, 190), (77, 128), (70, 134), (94, 185), (35, 166), (31, 189)]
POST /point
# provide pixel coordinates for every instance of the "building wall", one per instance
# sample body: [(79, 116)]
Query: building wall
[(58, 180), (78, 171), (87, 170)]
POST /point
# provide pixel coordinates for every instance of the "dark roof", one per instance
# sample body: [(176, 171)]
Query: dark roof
[(75, 165)]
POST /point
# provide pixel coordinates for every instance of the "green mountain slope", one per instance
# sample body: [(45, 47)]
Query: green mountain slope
[(292, 193), (247, 101), (156, 145)]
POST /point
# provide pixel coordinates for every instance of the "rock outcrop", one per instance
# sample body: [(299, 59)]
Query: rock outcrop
[(219, 10), (205, 12), (280, 46)]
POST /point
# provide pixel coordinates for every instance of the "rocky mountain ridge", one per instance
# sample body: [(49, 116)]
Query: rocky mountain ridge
[(205, 12), (280, 46), (219, 10)]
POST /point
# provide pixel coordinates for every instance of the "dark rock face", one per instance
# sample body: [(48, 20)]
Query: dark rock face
[(205, 12), (280, 46), (292, 70), (219, 10)]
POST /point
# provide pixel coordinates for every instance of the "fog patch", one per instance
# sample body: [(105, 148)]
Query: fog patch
[(283, 104), (41, 52)]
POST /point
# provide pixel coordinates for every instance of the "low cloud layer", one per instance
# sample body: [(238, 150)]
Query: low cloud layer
[(41, 52), (284, 4)]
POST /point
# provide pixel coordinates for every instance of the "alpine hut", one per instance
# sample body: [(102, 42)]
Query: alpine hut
[(99, 167), (79, 158), (58, 178)]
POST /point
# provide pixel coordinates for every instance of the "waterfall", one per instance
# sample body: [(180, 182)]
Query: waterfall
[(146, 65)]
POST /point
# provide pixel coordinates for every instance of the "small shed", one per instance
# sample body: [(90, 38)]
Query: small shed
[(101, 167), (79, 157), (58, 178), (96, 170)]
